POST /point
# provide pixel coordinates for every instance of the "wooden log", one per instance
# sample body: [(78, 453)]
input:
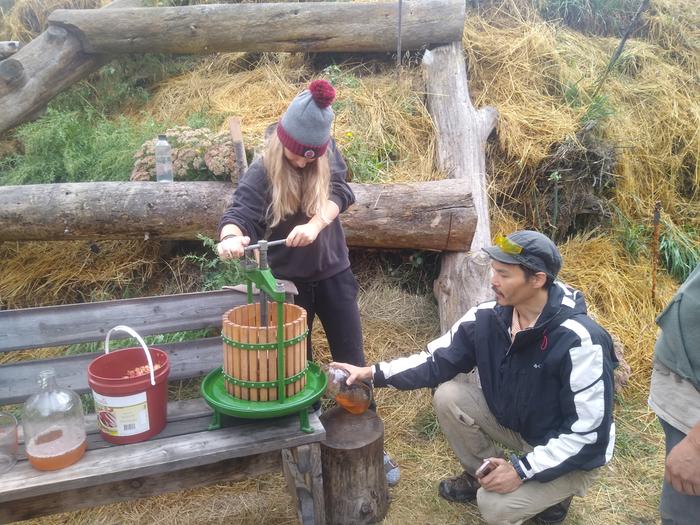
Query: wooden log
[(51, 63), (292, 27), (435, 215), (9, 47), (462, 132), (12, 75), (302, 470), (352, 456)]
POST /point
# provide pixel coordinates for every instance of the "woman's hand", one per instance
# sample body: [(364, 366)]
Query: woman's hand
[(303, 235), (233, 247), (357, 373)]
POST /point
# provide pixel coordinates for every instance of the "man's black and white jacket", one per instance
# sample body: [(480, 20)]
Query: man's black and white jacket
[(553, 384)]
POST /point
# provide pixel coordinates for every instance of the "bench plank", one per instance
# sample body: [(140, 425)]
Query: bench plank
[(235, 469), (187, 359), (77, 323), (160, 456)]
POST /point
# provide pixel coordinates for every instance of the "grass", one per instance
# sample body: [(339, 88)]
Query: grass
[(599, 17), (72, 146), (679, 249)]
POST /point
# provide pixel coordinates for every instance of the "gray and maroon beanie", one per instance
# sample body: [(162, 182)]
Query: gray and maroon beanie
[(305, 128)]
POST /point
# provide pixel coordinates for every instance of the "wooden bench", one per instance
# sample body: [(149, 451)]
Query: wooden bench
[(111, 473)]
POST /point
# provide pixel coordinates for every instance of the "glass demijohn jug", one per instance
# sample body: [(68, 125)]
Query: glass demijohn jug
[(54, 430)]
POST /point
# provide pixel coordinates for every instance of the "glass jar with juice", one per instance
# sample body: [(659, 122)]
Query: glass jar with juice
[(54, 429), (354, 398)]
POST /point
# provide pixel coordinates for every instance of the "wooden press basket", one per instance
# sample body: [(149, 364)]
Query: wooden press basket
[(251, 349)]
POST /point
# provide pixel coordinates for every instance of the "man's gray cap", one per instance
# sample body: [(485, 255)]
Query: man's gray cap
[(538, 253)]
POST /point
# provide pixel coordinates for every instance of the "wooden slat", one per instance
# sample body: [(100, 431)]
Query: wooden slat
[(236, 469), (159, 456), (187, 359), (77, 323)]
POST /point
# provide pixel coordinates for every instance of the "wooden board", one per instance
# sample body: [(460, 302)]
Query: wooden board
[(159, 456), (236, 469), (187, 359), (77, 323)]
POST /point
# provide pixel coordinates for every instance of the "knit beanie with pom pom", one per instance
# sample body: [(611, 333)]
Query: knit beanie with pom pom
[(305, 128)]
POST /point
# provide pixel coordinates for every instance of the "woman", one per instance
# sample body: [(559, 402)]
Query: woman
[(296, 191)]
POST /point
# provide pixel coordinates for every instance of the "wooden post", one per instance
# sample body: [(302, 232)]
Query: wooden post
[(302, 469), (234, 124), (352, 455), (462, 132)]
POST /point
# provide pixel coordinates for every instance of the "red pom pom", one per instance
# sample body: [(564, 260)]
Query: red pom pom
[(322, 92)]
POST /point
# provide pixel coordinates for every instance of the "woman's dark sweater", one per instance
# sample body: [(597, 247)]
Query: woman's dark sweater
[(323, 258)]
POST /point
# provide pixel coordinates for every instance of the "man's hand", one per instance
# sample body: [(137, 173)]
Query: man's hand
[(683, 464), (503, 479), (361, 373), (303, 235), (233, 247)]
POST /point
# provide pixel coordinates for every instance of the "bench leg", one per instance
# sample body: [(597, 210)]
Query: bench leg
[(302, 468)]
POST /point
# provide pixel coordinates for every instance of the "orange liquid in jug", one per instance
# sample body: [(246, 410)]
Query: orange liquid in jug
[(56, 448), (354, 401)]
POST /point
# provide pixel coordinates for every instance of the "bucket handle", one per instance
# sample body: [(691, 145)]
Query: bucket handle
[(136, 336)]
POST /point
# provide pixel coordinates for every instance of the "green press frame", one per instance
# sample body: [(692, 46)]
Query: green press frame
[(214, 388)]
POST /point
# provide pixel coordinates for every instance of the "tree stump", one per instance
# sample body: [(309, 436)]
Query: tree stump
[(352, 458)]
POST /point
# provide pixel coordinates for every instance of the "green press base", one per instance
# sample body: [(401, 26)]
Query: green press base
[(214, 392)]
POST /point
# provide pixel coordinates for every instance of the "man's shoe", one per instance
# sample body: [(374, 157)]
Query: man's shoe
[(554, 514), (460, 488)]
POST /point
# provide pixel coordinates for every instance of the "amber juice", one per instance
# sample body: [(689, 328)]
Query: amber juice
[(56, 448), (355, 401)]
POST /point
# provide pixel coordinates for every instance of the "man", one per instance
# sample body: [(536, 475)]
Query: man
[(546, 372), (675, 398)]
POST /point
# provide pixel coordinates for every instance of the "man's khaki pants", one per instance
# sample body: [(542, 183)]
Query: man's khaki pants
[(471, 430)]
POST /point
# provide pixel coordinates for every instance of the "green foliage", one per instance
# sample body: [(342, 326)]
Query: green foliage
[(340, 78), (598, 108), (216, 273), (83, 136), (427, 425), (367, 164), (202, 119), (601, 17), (71, 146), (679, 250), (121, 83), (129, 342), (634, 237)]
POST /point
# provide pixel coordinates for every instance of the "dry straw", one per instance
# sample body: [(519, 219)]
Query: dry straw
[(58, 272), (373, 111), (526, 68), (523, 66), (28, 18)]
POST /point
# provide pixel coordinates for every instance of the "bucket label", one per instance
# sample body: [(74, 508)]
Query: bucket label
[(122, 416)]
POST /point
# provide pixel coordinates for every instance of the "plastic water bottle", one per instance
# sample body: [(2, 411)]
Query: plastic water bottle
[(164, 160)]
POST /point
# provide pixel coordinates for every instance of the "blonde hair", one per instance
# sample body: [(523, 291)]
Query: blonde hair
[(292, 189)]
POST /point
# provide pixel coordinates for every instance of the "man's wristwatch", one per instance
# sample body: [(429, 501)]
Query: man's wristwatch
[(515, 461), (229, 236)]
